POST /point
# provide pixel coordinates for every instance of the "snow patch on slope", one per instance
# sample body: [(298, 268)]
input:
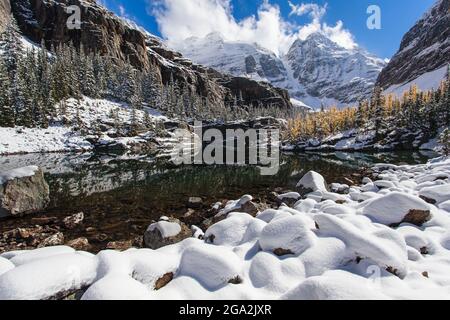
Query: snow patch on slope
[(427, 81)]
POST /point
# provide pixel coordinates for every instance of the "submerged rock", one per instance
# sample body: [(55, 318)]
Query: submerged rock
[(73, 221), (23, 191), (195, 202)]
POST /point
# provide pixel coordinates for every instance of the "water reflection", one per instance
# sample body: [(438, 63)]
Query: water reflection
[(85, 181)]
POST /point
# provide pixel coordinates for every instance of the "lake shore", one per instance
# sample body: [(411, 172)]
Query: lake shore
[(323, 239)]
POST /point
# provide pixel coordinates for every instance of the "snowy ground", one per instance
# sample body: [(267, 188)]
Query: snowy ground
[(349, 245), (354, 140), (61, 138)]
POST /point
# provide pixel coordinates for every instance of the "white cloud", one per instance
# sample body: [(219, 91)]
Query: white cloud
[(181, 19), (315, 11), (122, 11)]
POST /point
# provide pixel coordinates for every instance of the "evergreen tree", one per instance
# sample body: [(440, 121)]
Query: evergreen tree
[(377, 109), (23, 96), (6, 110), (11, 45), (445, 141)]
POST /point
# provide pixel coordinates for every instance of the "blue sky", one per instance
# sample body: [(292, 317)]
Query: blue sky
[(397, 17)]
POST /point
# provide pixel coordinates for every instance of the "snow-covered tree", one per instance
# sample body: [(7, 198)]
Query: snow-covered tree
[(11, 45), (6, 110), (377, 110), (445, 141)]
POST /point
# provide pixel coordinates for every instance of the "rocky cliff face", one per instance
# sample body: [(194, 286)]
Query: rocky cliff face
[(5, 11), (102, 31), (424, 49)]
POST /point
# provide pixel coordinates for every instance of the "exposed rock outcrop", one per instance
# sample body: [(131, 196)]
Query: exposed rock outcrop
[(5, 11), (424, 48), (23, 191)]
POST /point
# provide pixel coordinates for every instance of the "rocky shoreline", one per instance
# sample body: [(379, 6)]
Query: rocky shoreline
[(43, 229), (396, 221)]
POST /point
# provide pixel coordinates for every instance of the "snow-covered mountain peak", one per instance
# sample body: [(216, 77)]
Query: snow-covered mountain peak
[(326, 73), (235, 57)]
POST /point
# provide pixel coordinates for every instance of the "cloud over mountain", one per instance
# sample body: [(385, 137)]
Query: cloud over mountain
[(180, 19)]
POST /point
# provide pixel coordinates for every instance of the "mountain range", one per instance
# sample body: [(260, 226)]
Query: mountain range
[(104, 32), (315, 71)]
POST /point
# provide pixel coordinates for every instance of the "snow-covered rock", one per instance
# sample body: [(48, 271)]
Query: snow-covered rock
[(312, 182), (316, 250), (336, 285), (164, 232), (212, 266), (117, 287), (394, 207), (439, 193), (53, 277), (237, 229)]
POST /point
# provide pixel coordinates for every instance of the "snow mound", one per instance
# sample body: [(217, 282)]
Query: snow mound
[(211, 266), (47, 278), (439, 193), (290, 235), (117, 287), (336, 285), (393, 207), (329, 246), (238, 229)]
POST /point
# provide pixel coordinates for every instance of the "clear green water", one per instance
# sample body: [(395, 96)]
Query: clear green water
[(121, 196)]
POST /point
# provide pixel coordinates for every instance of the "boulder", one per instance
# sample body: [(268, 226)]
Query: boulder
[(340, 188), (164, 233), (244, 205), (195, 202), (396, 208), (289, 198), (120, 245), (23, 191), (312, 182)]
